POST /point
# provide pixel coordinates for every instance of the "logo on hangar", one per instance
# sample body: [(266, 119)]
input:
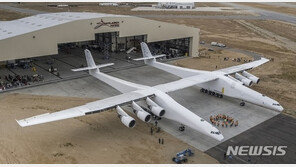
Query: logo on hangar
[(109, 24)]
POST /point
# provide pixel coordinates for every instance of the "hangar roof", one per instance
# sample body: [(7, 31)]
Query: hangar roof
[(33, 23)]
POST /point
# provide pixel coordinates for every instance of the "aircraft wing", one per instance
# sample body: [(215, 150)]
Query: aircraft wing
[(243, 67), (89, 108), (186, 82)]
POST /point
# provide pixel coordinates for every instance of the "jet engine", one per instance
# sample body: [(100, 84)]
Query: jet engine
[(243, 79), (155, 108), (127, 120), (141, 114), (251, 77)]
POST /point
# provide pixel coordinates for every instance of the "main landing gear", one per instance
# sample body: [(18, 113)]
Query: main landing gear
[(182, 128), (242, 103), (211, 93)]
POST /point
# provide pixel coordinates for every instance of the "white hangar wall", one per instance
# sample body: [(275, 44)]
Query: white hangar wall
[(45, 41)]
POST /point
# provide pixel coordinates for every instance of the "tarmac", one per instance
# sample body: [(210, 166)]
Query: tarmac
[(277, 131), (199, 103), (65, 62)]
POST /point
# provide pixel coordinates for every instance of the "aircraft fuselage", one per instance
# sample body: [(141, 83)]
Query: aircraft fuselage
[(178, 113), (235, 89)]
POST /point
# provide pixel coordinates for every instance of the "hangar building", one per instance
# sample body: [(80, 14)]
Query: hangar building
[(47, 34)]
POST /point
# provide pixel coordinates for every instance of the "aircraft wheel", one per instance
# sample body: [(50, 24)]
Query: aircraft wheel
[(181, 128), (221, 96), (206, 91), (202, 90), (242, 104)]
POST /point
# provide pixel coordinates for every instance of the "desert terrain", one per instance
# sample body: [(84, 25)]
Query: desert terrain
[(98, 138), (8, 15), (212, 60), (122, 10), (281, 9)]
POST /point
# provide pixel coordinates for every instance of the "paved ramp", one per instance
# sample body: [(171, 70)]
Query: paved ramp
[(277, 131)]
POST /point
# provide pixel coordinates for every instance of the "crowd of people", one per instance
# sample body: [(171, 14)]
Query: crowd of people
[(238, 59), (12, 81), (223, 120)]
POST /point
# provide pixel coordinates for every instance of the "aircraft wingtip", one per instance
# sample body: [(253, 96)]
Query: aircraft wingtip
[(20, 122)]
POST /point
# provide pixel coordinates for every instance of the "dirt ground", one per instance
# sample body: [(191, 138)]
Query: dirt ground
[(279, 9), (98, 138), (277, 27), (8, 15), (211, 59), (214, 27), (230, 33)]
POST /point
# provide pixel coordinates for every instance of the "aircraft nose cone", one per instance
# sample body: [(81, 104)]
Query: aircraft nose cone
[(280, 108), (220, 137)]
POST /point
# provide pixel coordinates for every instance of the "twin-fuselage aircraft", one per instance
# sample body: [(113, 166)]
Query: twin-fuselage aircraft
[(219, 83)]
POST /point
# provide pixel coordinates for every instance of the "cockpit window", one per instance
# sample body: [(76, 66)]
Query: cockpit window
[(276, 104), (217, 133)]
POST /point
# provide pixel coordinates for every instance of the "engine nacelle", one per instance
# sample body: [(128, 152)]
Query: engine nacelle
[(128, 121), (243, 79), (251, 77), (125, 119), (141, 114), (155, 108), (232, 78)]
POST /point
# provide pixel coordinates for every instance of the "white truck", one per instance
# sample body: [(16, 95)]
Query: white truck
[(214, 43), (218, 44)]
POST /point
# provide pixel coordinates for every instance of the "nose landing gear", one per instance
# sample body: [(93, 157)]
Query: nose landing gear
[(242, 103)]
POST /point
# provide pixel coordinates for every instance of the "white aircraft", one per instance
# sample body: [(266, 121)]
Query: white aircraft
[(159, 103), (219, 82)]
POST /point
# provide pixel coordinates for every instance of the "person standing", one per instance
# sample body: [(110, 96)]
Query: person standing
[(236, 123)]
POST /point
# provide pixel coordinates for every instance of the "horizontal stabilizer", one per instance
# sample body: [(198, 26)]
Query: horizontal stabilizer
[(152, 57), (91, 68)]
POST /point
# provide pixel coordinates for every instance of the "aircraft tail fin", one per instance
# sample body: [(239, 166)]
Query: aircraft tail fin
[(145, 50), (147, 56), (89, 58), (91, 65)]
